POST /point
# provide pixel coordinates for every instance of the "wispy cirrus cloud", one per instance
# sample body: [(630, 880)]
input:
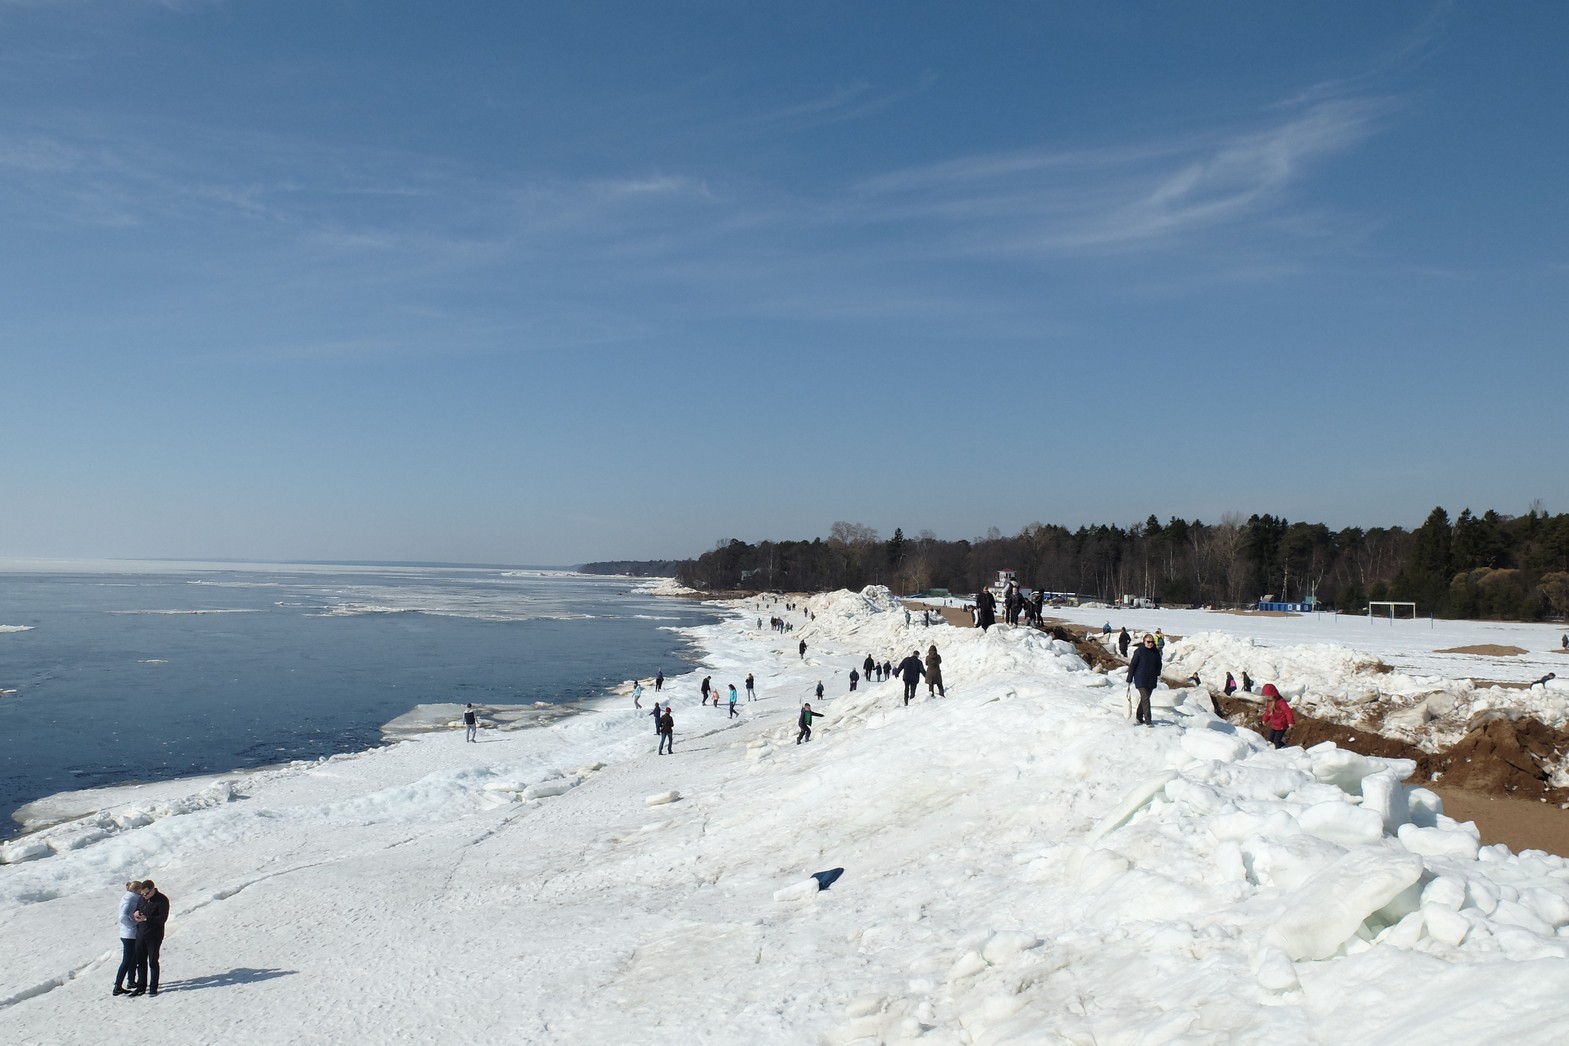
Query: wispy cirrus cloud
[(854, 101), (1121, 197)]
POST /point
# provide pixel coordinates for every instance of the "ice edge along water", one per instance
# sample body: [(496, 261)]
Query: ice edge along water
[(1021, 864)]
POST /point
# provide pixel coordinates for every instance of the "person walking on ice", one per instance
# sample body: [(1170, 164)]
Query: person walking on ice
[(733, 712), (819, 690), (807, 715), (470, 724), (803, 650), (637, 694), (1144, 675), (855, 677), (934, 673), (912, 670), (667, 731), (750, 694)]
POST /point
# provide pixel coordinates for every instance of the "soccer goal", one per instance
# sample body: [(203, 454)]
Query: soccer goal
[(1391, 605)]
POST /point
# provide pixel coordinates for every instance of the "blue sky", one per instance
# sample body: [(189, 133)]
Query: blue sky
[(554, 281)]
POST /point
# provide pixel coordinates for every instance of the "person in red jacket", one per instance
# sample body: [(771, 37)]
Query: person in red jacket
[(1277, 716)]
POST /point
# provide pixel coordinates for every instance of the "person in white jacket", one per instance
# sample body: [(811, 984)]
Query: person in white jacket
[(127, 969)]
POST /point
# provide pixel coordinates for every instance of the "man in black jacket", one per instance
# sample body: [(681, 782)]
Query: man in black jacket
[(150, 916), (911, 670)]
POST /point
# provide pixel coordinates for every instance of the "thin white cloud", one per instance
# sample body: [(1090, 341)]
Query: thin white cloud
[(1120, 197)]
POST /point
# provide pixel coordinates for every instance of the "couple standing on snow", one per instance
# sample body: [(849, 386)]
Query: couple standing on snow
[(143, 913)]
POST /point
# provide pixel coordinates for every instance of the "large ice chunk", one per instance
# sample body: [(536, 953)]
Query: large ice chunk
[(1340, 822), (1328, 908)]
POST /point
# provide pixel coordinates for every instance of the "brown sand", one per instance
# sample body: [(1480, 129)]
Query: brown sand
[(1485, 650), (1520, 824)]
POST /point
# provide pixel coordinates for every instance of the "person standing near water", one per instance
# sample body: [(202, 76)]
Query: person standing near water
[(151, 914), (637, 694), (126, 974), (705, 690), (659, 681), (470, 724)]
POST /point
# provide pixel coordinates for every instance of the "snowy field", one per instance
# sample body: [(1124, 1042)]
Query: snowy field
[(1020, 865), (1341, 668)]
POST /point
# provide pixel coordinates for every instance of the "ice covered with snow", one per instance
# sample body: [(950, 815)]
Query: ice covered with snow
[(1014, 863)]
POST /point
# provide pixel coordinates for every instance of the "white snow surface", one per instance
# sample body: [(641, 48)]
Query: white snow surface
[(1020, 864)]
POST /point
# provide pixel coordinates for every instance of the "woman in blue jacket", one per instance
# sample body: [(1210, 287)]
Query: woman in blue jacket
[(1144, 674)]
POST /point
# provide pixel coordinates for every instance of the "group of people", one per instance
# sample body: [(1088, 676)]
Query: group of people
[(1144, 676), (664, 719), (143, 914), (1017, 608)]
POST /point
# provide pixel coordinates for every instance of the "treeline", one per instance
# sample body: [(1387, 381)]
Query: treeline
[(634, 567), (1487, 566)]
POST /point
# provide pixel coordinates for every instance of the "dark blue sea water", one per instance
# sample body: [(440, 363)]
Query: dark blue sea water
[(126, 677)]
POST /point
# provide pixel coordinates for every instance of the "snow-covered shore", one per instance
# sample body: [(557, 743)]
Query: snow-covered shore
[(1020, 865)]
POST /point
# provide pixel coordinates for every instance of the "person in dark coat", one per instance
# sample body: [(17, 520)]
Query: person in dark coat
[(807, 715), (803, 650), (934, 673), (985, 609), (1231, 684), (868, 667), (150, 916), (655, 714), (911, 670), (1123, 640), (855, 677), (667, 729), (659, 681), (1144, 674), (705, 688)]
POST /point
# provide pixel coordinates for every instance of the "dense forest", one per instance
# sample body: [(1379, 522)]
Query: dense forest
[(1487, 566)]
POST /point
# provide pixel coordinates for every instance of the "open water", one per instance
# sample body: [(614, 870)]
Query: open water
[(136, 676)]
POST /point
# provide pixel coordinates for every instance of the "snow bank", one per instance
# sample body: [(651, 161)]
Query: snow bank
[(1016, 862)]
